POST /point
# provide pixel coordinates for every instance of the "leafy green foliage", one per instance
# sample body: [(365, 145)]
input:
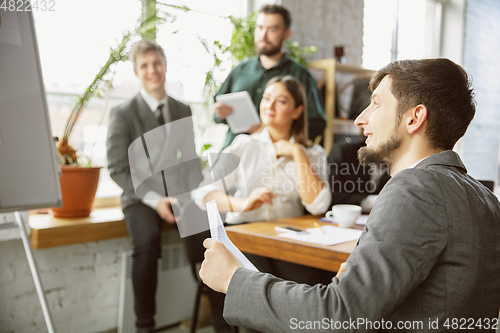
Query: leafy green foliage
[(149, 10), (204, 160), (300, 54), (242, 44)]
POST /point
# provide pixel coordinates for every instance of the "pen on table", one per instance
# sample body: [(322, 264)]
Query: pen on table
[(288, 229), (318, 226)]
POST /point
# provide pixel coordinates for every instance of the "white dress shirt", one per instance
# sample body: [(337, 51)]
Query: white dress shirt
[(153, 103), (259, 167)]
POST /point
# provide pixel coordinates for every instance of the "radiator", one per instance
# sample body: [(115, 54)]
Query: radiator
[(174, 294)]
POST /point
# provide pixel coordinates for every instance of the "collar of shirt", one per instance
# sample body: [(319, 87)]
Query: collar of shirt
[(153, 102), (283, 60), (415, 164), (263, 136)]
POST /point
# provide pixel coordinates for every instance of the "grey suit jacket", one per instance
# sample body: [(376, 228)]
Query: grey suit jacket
[(128, 122), (430, 252)]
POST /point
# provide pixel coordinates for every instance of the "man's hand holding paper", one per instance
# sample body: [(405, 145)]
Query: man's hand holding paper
[(222, 257), (219, 265)]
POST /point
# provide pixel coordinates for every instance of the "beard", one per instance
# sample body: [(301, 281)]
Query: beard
[(380, 156), (269, 50)]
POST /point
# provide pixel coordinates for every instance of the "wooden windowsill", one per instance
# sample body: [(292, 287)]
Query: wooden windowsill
[(103, 223)]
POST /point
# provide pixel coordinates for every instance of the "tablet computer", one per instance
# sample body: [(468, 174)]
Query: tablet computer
[(244, 113)]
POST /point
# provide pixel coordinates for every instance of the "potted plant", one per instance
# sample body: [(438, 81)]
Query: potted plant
[(79, 180)]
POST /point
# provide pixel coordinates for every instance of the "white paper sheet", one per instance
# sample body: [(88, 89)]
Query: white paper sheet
[(333, 235), (217, 231)]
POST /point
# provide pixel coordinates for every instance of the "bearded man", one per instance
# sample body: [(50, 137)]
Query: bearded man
[(428, 257), (271, 30)]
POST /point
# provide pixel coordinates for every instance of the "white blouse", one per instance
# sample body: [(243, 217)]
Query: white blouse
[(259, 167)]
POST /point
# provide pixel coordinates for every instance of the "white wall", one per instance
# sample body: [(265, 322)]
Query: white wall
[(325, 24), (328, 23)]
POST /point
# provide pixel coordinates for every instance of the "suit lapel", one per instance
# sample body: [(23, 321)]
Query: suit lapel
[(174, 111), (146, 116)]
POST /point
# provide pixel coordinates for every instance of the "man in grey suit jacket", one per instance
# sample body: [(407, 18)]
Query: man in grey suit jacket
[(146, 204), (429, 257)]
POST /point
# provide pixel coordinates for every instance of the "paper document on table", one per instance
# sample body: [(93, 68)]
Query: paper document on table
[(332, 235), (217, 231)]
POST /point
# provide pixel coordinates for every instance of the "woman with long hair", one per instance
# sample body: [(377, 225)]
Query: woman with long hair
[(276, 173)]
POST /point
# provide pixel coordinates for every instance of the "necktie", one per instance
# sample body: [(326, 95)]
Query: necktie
[(161, 121), (159, 115)]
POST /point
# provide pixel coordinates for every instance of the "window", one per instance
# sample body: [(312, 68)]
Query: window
[(399, 29), (74, 41)]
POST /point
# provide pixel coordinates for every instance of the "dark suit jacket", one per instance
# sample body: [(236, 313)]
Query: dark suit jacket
[(430, 251), (129, 122), (351, 182)]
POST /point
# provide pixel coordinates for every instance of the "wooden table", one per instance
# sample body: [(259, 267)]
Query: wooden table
[(260, 238), (103, 223)]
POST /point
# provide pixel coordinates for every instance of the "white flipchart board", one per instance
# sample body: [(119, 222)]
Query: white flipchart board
[(29, 170), (28, 165)]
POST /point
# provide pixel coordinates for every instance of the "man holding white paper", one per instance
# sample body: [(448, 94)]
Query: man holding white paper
[(427, 260), (271, 30), (218, 232)]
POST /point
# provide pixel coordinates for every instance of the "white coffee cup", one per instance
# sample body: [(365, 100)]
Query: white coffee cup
[(344, 215)]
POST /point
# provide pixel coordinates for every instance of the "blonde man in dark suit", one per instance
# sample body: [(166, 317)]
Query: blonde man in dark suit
[(147, 206)]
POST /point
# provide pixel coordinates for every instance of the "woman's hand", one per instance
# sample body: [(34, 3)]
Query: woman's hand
[(286, 148), (258, 197)]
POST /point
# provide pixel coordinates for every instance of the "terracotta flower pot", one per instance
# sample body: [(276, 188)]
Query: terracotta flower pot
[(78, 187)]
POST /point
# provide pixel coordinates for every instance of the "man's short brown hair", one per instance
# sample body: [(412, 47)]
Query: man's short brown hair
[(442, 86), (145, 46), (277, 9)]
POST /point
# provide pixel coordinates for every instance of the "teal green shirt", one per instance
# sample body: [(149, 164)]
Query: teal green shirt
[(252, 77)]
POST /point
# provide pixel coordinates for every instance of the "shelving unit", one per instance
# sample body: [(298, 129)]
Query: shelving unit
[(330, 67)]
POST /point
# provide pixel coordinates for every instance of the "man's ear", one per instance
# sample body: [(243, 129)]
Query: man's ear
[(288, 32), (415, 118)]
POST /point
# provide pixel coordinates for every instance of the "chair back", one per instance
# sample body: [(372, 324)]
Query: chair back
[(488, 183)]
